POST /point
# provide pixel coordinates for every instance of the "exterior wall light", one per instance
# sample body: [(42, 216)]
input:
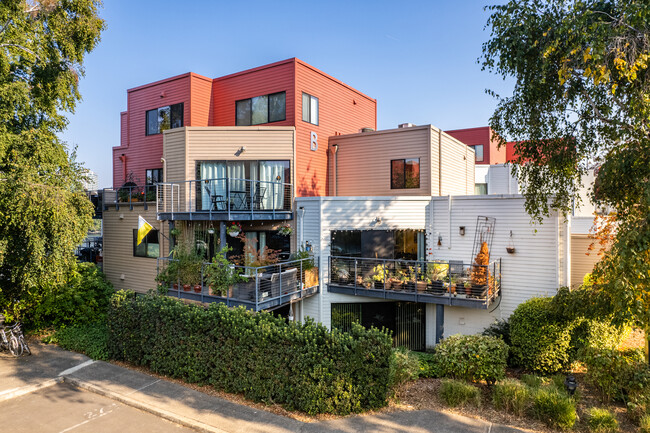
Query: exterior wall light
[(461, 230)]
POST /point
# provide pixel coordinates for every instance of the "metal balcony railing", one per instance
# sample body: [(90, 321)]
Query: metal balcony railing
[(259, 288), (439, 282), (129, 195), (226, 197)]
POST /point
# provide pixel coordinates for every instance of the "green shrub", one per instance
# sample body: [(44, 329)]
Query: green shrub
[(531, 380), (404, 367), (301, 366), (500, 329), (458, 393), (472, 357), (638, 391), (83, 298), (601, 421), (611, 371), (554, 408), (511, 396), (594, 333), (539, 342), (89, 338), (644, 423), (428, 366)]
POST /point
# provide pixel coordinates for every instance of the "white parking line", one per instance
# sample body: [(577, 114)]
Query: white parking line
[(91, 416), (76, 367)]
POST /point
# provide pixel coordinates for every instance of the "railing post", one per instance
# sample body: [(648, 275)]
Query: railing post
[(172, 198), (273, 199), (384, 266), (228, 202)]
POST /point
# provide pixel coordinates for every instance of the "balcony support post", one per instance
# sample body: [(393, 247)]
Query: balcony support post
[(440, 322)]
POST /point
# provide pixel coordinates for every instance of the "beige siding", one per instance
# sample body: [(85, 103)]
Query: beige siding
[(183, 147), (138, 273), (360, 164), (363, 161), (581, 263), (457, 167)]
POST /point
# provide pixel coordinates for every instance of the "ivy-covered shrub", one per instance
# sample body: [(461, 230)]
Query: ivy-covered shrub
[(88, 338), (404, 367), (593, 333), (500, 329), (458, 393), (83, 298), (512, 396), (612, 371), (554, 408), (301, 366), (539, 342), (472, 357)]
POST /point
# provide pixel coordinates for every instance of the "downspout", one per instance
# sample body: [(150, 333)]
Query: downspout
[(449, 199), (439, 162), (164, 161), (335, 163)]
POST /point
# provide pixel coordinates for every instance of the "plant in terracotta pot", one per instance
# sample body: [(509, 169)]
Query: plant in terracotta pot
[(189, 266)]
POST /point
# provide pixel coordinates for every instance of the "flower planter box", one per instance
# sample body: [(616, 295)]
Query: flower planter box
[(436, 288)]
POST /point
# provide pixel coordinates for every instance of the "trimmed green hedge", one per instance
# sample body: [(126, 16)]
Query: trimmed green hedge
[(539, 342), (472, 357), (88, 338), (301, 366)]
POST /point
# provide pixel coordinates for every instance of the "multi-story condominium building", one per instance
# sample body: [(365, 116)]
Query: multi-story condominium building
[(283, 159)]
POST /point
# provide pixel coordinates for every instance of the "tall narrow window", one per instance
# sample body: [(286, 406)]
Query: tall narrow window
[(261, 109), (309, 109), (478, 150), (405, 173)]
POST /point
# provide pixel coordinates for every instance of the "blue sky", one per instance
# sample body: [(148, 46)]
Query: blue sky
[(417, 58)]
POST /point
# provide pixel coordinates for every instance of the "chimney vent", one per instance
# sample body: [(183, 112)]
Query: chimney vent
[(367, 130), (405, 125)]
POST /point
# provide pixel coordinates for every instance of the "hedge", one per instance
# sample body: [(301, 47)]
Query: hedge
[(540, 342), (304, 367), (472, 357)]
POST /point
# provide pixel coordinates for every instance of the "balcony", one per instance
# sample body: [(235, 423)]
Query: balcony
[(224, 199), (129, 195), (440, 282), (257, 288)]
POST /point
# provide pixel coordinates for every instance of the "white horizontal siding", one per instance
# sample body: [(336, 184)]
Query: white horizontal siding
[(531, 271)]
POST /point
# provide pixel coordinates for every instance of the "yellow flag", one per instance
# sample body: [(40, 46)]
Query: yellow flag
[(143, 229)]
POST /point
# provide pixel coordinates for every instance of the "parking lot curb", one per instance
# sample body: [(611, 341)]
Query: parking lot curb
[(17, 392), (169, 416)]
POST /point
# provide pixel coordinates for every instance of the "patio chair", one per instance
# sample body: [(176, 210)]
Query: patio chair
[(217, 201), (258, 196)]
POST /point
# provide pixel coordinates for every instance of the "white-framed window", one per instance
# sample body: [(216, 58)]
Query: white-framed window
[(309, 108)]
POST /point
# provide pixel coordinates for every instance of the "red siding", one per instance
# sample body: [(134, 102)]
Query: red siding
[(144, 152), (342, 110), (276, 77), (482, 135)]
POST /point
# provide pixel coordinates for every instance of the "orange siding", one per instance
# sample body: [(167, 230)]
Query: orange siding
[(342, 110), (200, 97)]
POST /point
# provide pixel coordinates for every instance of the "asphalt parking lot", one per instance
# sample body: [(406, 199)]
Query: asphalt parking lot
[(61, 408)]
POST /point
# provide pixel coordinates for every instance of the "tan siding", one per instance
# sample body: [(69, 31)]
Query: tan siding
[(457, 166), (363, 161), (139, 272), (581, 263)]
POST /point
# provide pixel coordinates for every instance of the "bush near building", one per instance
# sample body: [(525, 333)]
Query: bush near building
[(472, 357), (301, 366), (458, 393)]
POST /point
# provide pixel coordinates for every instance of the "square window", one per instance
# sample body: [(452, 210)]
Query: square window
[(405, 173), (478, 150), (149, 247)]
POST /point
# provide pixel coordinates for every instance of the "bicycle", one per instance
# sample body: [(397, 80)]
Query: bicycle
[(15, 341)]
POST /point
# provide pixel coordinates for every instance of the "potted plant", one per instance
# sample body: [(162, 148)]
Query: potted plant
[(380, 277), (285, 230), (480, 270), (234, 229), (436, 274), (398, 280), (310, 271), (189, 264), (410, 279), (367, 282), (221, 275)]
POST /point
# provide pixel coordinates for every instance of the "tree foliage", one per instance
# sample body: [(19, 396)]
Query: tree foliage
[(582, 99), (43, 210)]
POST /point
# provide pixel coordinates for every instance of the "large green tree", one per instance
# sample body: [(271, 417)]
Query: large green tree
[(581, 99), (43, 211)]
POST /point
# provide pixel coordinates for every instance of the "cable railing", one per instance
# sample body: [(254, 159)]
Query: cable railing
[(225, 196), (130, 195), (255, 287), (449, 282)]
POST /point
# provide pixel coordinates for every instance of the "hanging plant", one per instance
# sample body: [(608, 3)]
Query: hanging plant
[(234, 230), (285, 230), (175, 231)]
